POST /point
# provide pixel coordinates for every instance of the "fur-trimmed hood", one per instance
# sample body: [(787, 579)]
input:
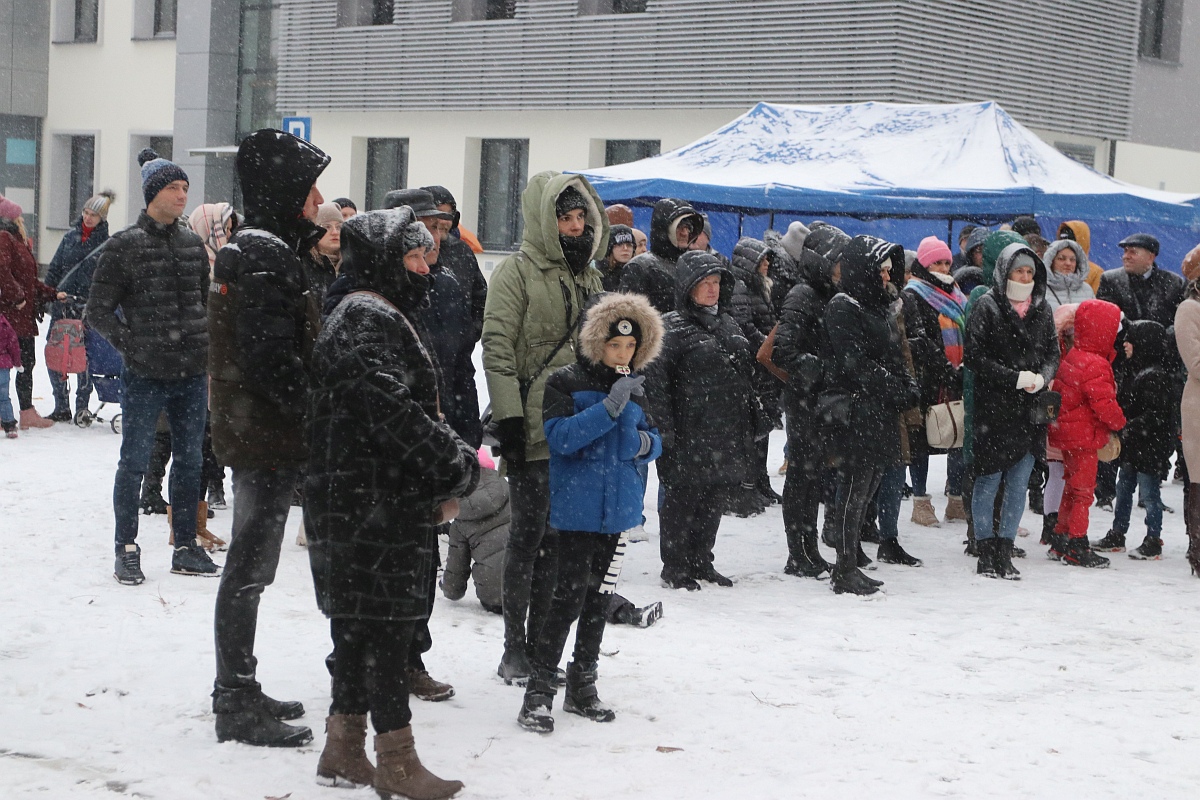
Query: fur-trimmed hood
[(614, 306)]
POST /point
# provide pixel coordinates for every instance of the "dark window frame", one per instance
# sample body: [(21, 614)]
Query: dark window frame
[(500, 9), (87, 25), (502, 179), (82, 147), (1159, 30), (625, 151), (377, 185), (166, 17), (365, 13)]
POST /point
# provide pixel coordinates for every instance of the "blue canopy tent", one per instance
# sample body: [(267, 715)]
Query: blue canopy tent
[(896, 170)]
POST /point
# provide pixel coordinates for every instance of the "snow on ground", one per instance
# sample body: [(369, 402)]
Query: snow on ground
[(1069, 683)]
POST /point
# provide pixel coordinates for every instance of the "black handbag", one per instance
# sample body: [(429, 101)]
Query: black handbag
[(1046, 407)]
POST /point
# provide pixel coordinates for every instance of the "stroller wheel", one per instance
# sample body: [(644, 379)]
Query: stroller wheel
[(116, 424), (84, 418)]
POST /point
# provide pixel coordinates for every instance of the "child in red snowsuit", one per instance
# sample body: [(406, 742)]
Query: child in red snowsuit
[(1089, 415)]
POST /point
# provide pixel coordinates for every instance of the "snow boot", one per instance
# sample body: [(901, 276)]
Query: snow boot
[(648, 615), (205, 538), (536, 712), (399, 773), (10, 429), (769, 495), (1079, 554), (989, 550), (746, 502), (152, 501), (1037, 499), (1058, 546), (708, 573), (954, 509), (1004, 557), (1017, 552), (852, 581), (804, 556), (1191, 518), (60, 415), (128, 569), (514, 665), (1149, 550), (581, 697), (247, 715), (923, 513), (864, 561), (31, 419), (806, 568), (343, 761), (673, 580), (1113, 542), (1049, 523), (890, 552), (216, 496), (191, 559), (422, 685), (869, 533)]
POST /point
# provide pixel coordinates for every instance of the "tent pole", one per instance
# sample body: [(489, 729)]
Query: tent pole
[(741, 219), (950, 234)]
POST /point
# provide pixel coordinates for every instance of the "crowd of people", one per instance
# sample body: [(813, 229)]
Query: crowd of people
[(325, 356)]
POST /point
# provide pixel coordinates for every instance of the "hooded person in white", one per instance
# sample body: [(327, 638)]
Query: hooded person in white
[(1066, 274)]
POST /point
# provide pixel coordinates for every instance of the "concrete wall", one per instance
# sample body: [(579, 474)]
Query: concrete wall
[(1159, 167), (120, 90), (1166, 96), (24, 40)]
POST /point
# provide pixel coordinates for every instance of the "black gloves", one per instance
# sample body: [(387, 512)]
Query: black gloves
[(510, 433)]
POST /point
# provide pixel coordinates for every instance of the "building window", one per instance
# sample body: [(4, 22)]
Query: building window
[(357, 13), (387, 169), (83, 170), (1159, 33), (503, 172), (623, 151), (165, 12), (589, 7), (87, 20), (475, 10), (258, 67), (1083, 153)]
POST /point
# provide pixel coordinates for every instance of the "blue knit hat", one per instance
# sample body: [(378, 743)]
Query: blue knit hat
[(157, 172)]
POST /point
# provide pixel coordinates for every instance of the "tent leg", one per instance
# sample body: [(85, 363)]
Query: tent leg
[(950, 234)]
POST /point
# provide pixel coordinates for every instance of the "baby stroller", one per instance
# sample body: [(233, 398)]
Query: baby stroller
[(106, 366)]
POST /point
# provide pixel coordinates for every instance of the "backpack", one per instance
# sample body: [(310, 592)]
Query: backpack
[(66, 350)]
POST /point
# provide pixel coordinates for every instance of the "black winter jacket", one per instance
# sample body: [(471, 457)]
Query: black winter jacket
[(801, 343), (453, 329), (264, 313), (754, 311), (937, 378), (157, 275), (1154, 296), (700, 387), (1149, 396), (864, 357), (652, 274), (381, 461), (71, 253)]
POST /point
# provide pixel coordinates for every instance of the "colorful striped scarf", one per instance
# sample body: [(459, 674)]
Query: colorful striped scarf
[(951, 313)]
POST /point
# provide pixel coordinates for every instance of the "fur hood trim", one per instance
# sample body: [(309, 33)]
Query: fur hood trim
[(615, 306)]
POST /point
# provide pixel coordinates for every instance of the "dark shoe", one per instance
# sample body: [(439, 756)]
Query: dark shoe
[(806, 568), (514, 666), (1004, 557), (1058, 546), (423, 686), (1113, 542), (864, 561), (60, 415), (281, 709), (767, 491), (852, 581), (708, 573), (869, 534), (1149, 550), (581, 697), (243, 717), (890, 552), (988, 551), (1049, 523), (128, 569), (1104, 504), (1079, 554), (153, 503), (647, 616), (343, 761), (1017, 552), (192, 559), (1036, 501), (216, 497), (746, 502), (536, 714), (673, 581), (400, 774)]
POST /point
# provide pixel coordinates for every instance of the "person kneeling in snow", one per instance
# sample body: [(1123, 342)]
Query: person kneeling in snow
[(598, 436)]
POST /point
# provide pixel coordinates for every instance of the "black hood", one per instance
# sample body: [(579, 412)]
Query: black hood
[(746, 255), (826, 241), (1150, 344), (862, 259), (276, 170), (693, 267), (373, 247), (666, 212)]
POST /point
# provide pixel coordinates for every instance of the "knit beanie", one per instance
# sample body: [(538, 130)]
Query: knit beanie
[(328, 213), (625, 327), (157, 172), (933, 249), (98, 203), (9, 209), (620, 234), (416, 235), (568, 200), (793, 240)]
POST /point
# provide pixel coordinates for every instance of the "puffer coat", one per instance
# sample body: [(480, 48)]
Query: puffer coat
[(478, 537), (1090, 411), (1064, 290), (652, 274), (1149, 395), (76, 261), (19, 284), (753, 310)]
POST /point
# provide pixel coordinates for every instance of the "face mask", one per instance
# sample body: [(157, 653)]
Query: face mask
[(946, 280), (1019, 292)]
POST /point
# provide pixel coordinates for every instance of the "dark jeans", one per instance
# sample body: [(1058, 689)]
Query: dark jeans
[(211, 473), (364, 669), (919, 470), (62, 390), (857, 486), (185, 402), (262, 498), (888, 499), (583, 560), (802, 484), (531, 557), (24, 379), (1150, 495), (688, 521)]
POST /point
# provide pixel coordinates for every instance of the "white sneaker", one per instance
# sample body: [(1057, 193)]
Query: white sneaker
[(637, 534)]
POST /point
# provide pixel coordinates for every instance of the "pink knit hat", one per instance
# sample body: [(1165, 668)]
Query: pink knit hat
[(933, 249), (9, 209)]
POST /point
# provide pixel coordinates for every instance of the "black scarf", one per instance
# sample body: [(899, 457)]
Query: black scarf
[(577, 250)]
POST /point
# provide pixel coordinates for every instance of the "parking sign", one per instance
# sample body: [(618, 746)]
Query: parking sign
[(300, 127)]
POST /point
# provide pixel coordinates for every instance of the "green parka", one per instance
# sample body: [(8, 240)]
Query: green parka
[(533, 300)]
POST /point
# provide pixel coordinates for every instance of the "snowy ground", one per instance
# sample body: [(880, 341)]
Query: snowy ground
[(1069, 683)]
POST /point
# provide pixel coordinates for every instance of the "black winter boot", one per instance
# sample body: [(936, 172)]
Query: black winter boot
[(852, 581), (536, 712), (1004, 557), (706, 572), (890, 552), (243, 715), (1058, 546), (672, 580), (152, 501), (988, 552), (1149, 550), (1079, 554), (581, 697), (745, 501), (514, 665), (1113, 542)]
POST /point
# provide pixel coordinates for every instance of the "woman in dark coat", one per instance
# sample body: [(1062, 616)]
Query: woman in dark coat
[(384, 470), (753, 311), (706, 410), (1012, 351), (867, 386)]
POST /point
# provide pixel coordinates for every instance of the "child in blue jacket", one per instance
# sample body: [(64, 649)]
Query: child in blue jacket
[(599, 435)]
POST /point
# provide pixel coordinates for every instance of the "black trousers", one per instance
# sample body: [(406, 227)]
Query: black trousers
[(262, 498), (802, 486), (531, 556), (24, 379), (857, 485), (422, 639), (366, 672), (688, 521), (211, 473), (1106, 481), (583, 560)]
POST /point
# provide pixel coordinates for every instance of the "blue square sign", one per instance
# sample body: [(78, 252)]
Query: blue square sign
[(300, 127)]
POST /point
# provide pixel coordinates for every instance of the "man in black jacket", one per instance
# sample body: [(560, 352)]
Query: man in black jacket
[(674, 228), (156, 273), (263, 318)]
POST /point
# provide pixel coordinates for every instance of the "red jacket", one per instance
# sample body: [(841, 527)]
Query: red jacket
[(1085, 379), (19, 282)]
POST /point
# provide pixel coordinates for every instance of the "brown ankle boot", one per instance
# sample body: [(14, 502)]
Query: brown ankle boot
[(344, 760), (399, 773), (204, 538), (30, 418)]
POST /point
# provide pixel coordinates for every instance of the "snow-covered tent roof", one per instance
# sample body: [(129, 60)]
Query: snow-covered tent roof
[(959, 161)]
